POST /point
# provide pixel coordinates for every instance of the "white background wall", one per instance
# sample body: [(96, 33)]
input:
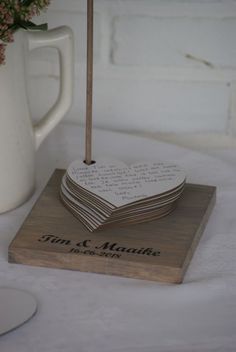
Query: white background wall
[(161, 67)]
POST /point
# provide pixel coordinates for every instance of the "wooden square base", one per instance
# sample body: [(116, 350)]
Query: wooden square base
[(159, 250)]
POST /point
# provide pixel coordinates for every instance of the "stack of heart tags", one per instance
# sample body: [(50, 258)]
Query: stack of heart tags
[(110, 193)]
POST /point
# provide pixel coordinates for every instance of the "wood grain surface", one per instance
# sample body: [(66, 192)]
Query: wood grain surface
[(159, 250)]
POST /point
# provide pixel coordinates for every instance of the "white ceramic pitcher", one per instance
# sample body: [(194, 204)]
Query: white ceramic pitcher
[(19, 139)]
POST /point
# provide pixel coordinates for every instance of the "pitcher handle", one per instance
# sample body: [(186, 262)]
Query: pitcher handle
[(60, 38)]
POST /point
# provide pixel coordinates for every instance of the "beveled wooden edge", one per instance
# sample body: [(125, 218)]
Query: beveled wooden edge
[(115, 267), (200, 231)]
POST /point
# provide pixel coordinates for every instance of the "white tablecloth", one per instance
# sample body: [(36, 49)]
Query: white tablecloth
[(96, 313)]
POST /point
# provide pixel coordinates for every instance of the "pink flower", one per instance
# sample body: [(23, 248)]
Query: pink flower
[(10, 13), (2, 54)]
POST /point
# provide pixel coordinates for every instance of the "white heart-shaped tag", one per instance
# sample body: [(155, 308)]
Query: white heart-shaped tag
[(119, 184), (16, 307)]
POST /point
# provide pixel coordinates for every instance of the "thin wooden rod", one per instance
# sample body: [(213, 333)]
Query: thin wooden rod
[(89, 89)]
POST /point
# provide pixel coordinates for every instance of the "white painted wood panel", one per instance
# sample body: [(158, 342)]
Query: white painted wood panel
[(195, 42), (161, 67)]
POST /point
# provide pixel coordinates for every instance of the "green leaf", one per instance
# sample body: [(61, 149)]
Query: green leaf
[(32, 26), (14, 27), (21, 25), (27, 2)]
